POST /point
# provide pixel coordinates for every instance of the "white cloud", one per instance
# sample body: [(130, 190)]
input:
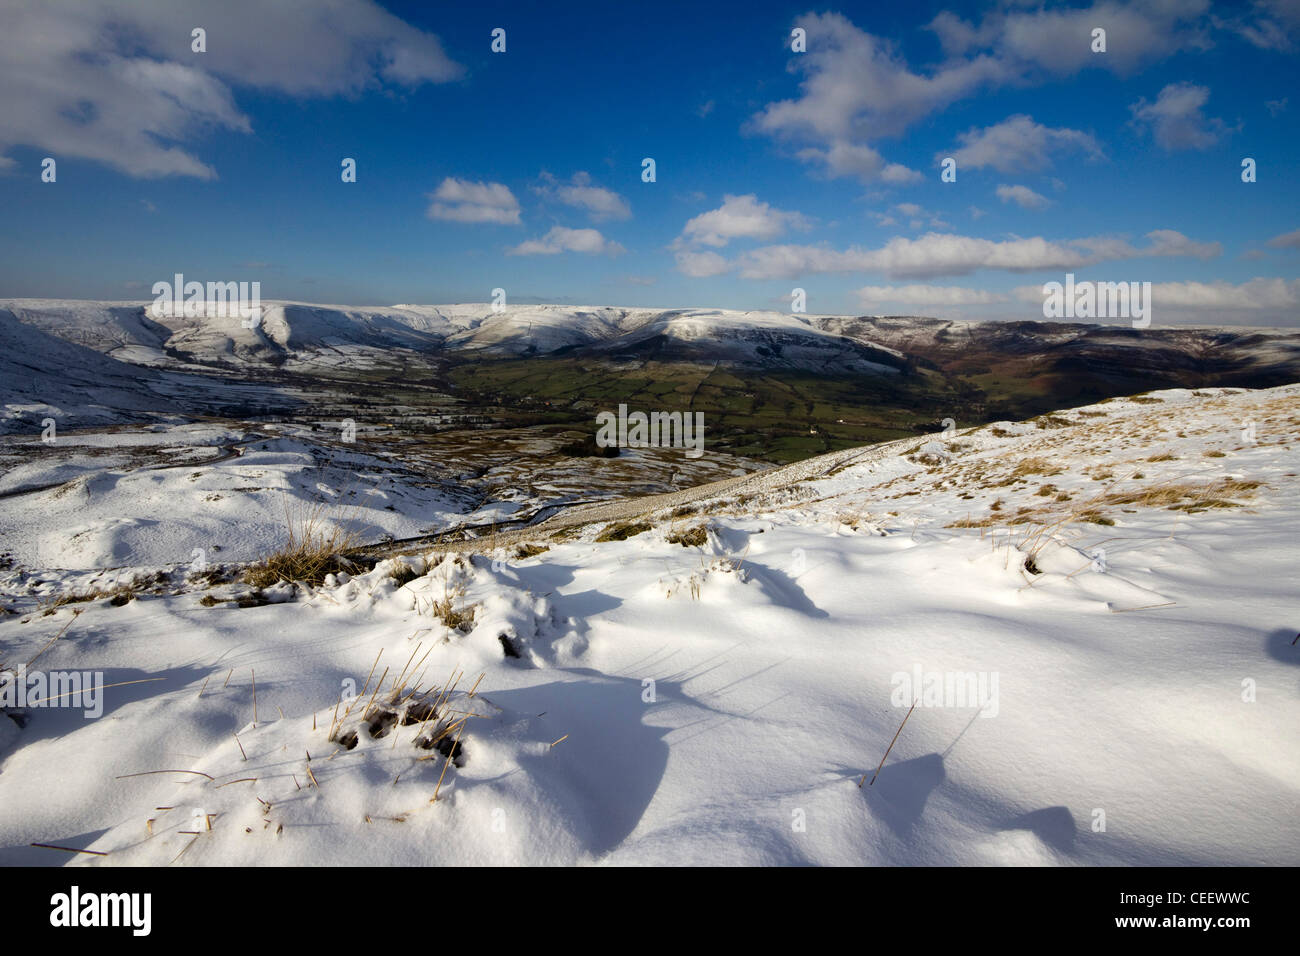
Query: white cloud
[(1168, 242), (1022, 196), (599, 203), (1058, 42), (928, 256), (460, 200), (857, 88), (1176, 119), (1270, 25), (1288, 240), (119, 84), (927, 295), (739, 217), (848, 159), (1255, 294), (943, 254), (917, 217), (1018, 143), (561, 239)]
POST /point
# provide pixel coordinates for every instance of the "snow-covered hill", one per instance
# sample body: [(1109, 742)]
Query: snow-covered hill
[(1092, 612), (75, 376), (290, 329), (393, 361)]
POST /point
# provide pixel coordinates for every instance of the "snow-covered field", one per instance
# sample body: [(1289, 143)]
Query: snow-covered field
[(1092, 612), (206, 494), (132, 499)]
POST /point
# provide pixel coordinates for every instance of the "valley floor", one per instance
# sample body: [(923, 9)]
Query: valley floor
[(1084, 623)]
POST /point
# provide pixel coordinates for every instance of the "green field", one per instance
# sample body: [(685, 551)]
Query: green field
[(777, 416)]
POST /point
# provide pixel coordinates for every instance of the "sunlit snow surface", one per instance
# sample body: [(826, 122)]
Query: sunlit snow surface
[(701, 704)]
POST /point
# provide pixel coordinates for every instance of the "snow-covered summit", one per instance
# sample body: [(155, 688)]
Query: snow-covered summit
[(298, 328)]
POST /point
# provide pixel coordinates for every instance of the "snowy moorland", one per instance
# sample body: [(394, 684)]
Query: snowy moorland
[(1083, 623), (90, 364)]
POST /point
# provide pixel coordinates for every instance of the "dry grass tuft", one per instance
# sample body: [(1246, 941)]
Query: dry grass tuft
[(117, 596), (1181, 496), (73, 597), (434, 713), (1093, 516), (1035, 466), (1053, 421), (693, 537), (1185, 496), (209, 577), (315, 545), (622, 531), (450, 611), (403, 574), (969, 522)]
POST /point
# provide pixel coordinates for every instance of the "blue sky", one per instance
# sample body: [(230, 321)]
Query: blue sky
[(775, 169)]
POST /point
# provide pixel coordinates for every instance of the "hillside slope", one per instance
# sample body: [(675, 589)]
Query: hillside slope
[(1092, 612)]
